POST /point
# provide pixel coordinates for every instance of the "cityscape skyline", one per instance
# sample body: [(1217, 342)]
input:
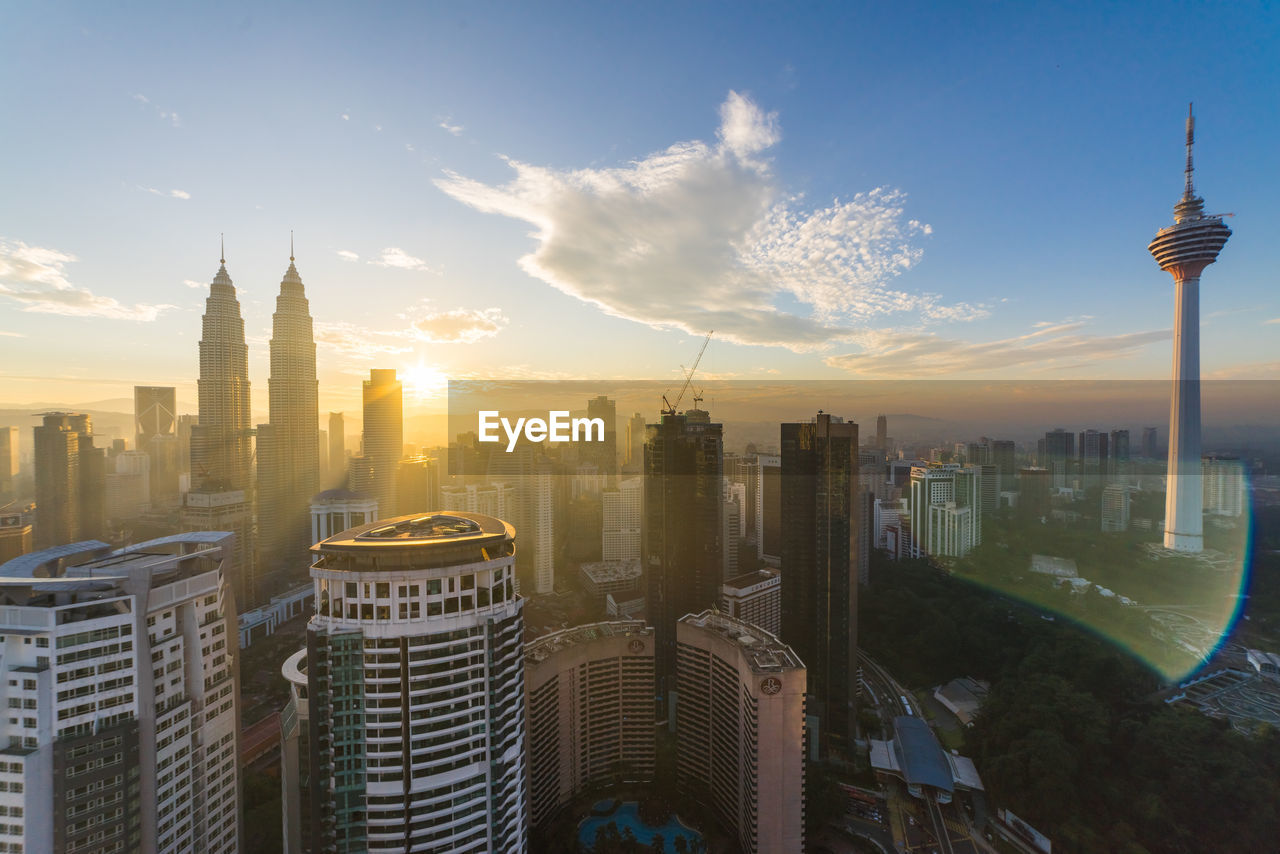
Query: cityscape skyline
[(771, 142)]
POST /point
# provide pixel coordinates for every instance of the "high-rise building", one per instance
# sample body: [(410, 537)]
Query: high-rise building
[(623, 510), (1094, 456), (15, 536), (211, 508), (1151, 442), (222, 439), (1118, 450), (406, 731), (740, 730), (128, 488), (590, 701), (946, 510), (8, 460), (755, 598), (821, 544), (383, 444), (1115, 507), (123, 697), (336, 510), (1004, 456), (417, 484), (1058, 454), (337, 449), (882, 432), (1184, 249), (603, 454), (155, 419), (681, 540), (1224, 486), (635, 442), (769, 509), (288, 451), (70, 480)]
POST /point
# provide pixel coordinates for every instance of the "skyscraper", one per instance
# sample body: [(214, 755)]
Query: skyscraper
[(288, 451), (407, 727), (821, 542), (635, 442), (681, 544), (1184, 249), (155, 419), (8, 460), (70, 480), (337, 449), (603, 454), (1150, 442), (123, 696), (882, 432), (221, 441), (383, 435)]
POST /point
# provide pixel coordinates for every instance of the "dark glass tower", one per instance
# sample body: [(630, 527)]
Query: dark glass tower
[(820, 554), (681, 528)]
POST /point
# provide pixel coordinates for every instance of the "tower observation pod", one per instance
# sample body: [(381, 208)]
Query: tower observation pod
[(1185, 249)]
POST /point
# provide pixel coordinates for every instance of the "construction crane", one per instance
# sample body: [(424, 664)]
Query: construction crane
[(669, 408)]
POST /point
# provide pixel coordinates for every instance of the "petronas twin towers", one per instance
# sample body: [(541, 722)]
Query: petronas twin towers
[(288, 454)]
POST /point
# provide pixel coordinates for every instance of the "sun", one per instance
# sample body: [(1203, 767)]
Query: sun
[(424, 382)]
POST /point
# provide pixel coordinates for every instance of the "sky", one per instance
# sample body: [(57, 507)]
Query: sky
[(562, 191)]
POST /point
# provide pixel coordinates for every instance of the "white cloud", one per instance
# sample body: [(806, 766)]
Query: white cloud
[(1272, 320), (12, 334), (168, 115), (35, 277), (700, 237), (348, 255), (175, 194), (911, 353), (408, 147), (192, 283), (346, 117), (459, 325), (456, 130), (395, 257), (378, 128), (453, 326)]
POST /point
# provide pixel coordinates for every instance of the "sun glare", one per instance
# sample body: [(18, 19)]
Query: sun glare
[(424, 382)]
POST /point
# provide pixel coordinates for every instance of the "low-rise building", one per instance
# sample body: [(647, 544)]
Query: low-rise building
[(755, 597)]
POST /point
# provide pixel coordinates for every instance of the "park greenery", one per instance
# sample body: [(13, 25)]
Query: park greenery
[(1070, 737)]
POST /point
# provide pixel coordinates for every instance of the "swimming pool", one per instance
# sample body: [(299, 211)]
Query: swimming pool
[(626, 816)]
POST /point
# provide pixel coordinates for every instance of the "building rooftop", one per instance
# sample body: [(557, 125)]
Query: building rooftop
[(544, 647), (766, 653), (423, 529), (747, 579), (36, 564), (613, 570)]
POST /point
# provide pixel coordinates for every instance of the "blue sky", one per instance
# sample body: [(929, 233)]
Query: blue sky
[(577, 190)]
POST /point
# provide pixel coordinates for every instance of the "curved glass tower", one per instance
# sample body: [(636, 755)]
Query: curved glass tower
[(1184, 249)]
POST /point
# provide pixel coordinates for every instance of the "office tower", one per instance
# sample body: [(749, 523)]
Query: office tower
[(1118, 454), (128, 488), (769, 509), (1184, 249), (335, 510), (539, 491), (740, 730), (882, 432), (1115, 507), (417, 485), (1034, 486), (1004, 457), (623, 509), (155, 419), (1224, 486), (489, 499), (221, 440), (185, 425), (123, 696), (892, 526), (590, 701), (1151, 442), (211, 508), (946, 510), (731, 532), (744, 469), (288, 452), (406, 731), (337, 449), (603, 454), (635, 442), (70, 480), (322, 443), (755, 598), (15, 536), (1059, 452), (383, 444), (681, 545), (821, 544), (1094, 454), (8, 461)]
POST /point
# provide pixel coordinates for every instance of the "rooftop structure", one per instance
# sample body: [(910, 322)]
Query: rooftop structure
[(914, 756)]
